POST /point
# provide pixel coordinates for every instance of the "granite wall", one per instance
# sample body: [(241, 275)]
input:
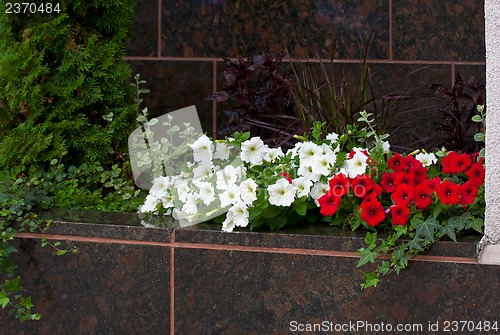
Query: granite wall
[(130, 278), (177, 46)]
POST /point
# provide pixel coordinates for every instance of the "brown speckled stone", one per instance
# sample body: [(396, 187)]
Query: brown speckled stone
[(438, 30), (229, 28)]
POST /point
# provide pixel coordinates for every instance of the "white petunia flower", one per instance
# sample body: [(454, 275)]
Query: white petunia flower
[(296, 149), (167, 200), (272, 154), (248, 191), (355, 165), (207, 192), (239, 214), (203, 170), (323, 164), (150, 204), (190, 205), (386, 146), (203, 149), (303, 186), (281, 193), (327, 150), (318, 190), (226, 177), (333, 137), (426, 159), (182, 191), (228, 224), (307, 171), (230, 196), (309, 152), (253, 151), (160, 185), (222, 151)]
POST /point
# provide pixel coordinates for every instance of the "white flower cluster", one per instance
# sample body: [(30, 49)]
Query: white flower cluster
[(219, 180)]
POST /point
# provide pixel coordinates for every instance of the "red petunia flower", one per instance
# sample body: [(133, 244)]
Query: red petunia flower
[(403, 194), (372, 212), (454, 163), (396, 163), (339, 185), (410, 162), (433, 183), (361, 185), (448, 192), (388, 181), (329, 203), (400, 213), (377, 190), (405, 178), (468, 192), (422, 195), (419, 172), (476, 174)]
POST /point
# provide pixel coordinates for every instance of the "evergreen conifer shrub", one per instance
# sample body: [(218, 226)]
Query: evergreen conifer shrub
[(64, 86)]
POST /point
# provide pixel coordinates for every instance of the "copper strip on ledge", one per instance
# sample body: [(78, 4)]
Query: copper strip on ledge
[(225, 247)]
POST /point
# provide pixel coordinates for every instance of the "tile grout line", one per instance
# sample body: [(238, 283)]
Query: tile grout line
[(172, 284), (214, 103), (312, 60), (158, 30), (390, 31), (226, 247), (452, 75)]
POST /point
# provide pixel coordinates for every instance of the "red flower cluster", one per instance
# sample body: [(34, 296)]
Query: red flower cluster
[(408, 186)]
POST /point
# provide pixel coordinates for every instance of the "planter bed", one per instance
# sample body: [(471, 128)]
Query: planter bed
[(130, 279)]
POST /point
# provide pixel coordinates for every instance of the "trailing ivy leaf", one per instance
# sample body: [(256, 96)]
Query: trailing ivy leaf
[(416, 244), (371, 280), (367, 256), (385, 267), (427, 228), (371, 239), (477, 224), (4, 299)]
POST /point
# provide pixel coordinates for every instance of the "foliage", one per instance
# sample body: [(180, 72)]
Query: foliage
[(260, 101), (353, 181), (64, 85), (66, 110), (89, 186), (458, 125), (331, 92)]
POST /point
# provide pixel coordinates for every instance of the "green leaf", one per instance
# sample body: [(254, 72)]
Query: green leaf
[(477, 118), (416, 244), (371, 239), (270, 212), (367, 256), (479, 137), (427, 228), (4, 300), (26, 303), (301, 209), (371, 280), (460, 222), (477, 224), (385, 267), (277, 222), (61, 252)]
